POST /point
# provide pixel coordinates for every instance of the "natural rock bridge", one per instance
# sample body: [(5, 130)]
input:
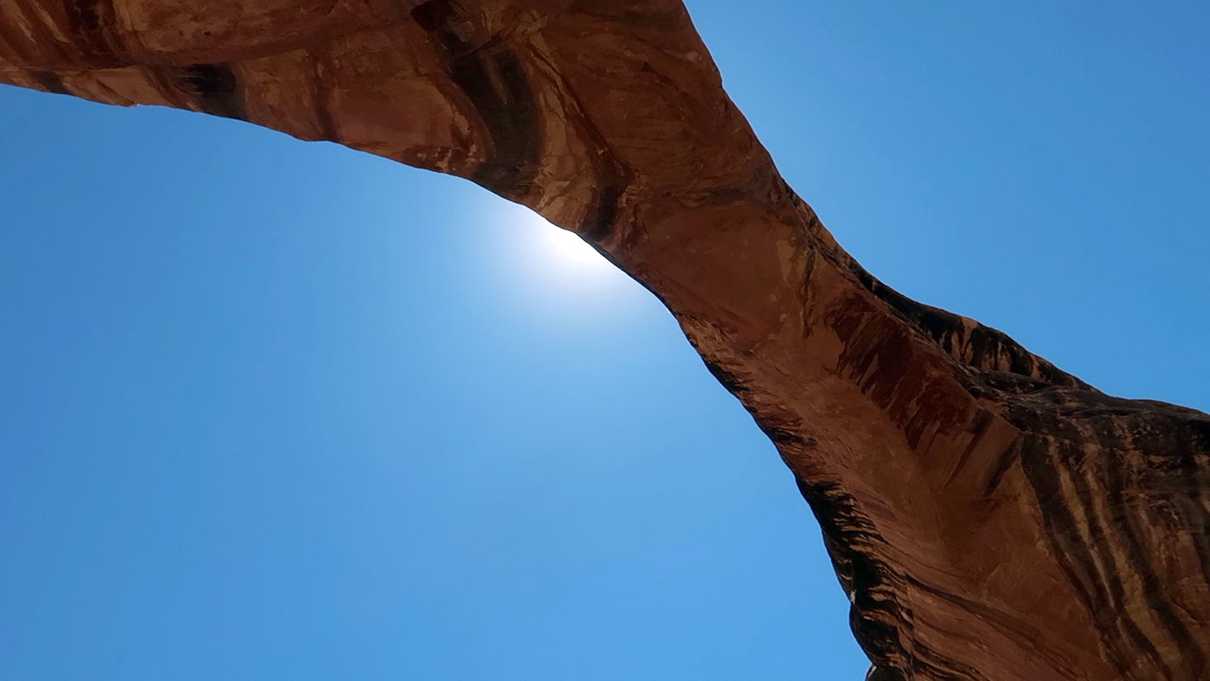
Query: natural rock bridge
[(990, 516)]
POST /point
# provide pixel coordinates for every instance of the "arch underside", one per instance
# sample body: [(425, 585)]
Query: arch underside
[(990, 516)]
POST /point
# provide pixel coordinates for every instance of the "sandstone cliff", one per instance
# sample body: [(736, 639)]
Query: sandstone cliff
[(990, 516)]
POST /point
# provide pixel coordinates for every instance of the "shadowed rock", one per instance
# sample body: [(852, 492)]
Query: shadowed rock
[(990, 516)]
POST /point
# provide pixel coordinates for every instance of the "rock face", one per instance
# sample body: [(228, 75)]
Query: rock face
[(990, 516)]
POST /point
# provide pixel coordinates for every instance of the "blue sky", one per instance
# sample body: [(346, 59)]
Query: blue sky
[(280, 410)]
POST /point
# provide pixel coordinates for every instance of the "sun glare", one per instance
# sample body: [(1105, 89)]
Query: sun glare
[(568, 248), (557, 260), (561, 252)]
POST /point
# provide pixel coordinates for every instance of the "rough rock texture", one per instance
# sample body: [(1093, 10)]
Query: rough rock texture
[(990, 516)]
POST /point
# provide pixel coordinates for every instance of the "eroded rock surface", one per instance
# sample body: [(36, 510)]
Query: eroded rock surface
[(990, 516)]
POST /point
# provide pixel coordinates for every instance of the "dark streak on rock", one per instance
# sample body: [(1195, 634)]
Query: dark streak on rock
[(50, 81), (494, 81), (1004, 463), (876, 617), (983, 421), (600, 220), (1020, 629), (322, 99), (928, 663), (612, 177), (92, 22), (1101, 547), (982, 347), (879, 673), (1125, 524), (214, 88), (1181, 442), (726, 378), (1139, 445), (1061, 534), (1197, 518)]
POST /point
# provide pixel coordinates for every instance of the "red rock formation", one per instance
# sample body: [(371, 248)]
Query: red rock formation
[(990, 516)]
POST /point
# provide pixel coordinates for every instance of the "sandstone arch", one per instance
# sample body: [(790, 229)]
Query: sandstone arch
[(989, 515)]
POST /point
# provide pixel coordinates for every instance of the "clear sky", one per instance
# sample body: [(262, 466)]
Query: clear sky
[(276, 410)]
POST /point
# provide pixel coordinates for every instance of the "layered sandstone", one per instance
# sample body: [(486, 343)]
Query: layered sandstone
[(989, 516)]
